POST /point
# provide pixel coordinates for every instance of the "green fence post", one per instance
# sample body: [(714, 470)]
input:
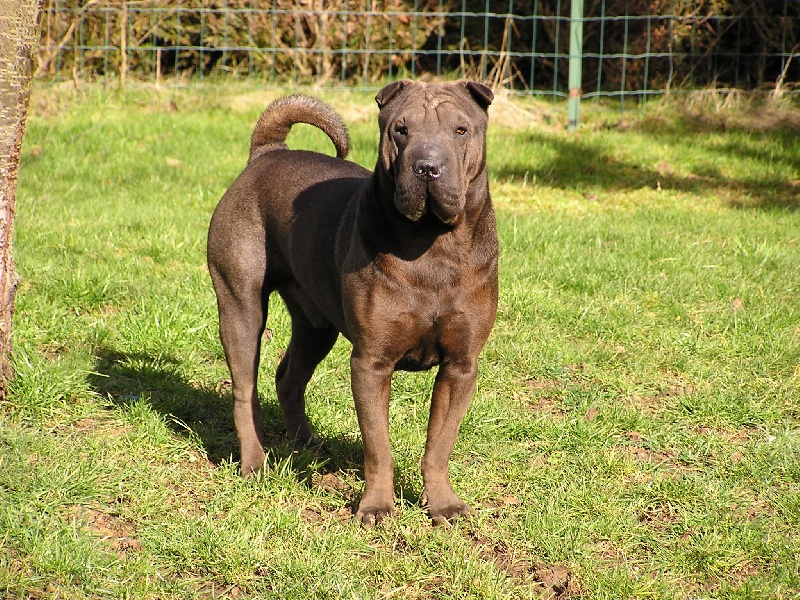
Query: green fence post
[(575, 61)]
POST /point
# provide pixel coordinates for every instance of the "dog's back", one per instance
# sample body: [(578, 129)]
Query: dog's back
[(276, 225)]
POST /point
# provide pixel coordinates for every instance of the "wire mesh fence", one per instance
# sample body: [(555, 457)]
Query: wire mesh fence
[(629, 47)]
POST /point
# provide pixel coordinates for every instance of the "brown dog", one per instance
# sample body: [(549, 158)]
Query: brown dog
[(402, 261)]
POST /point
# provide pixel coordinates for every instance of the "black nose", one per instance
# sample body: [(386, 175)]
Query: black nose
[(427, 168)]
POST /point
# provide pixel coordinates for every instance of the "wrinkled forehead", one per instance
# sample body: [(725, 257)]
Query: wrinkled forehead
[(431, 101), (442, 105)]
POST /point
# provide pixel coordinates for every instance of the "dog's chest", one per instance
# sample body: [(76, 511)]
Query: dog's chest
[(427, 329), (420, 313), (422, 353)]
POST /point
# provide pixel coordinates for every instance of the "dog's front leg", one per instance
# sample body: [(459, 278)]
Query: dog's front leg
[(371, 385), (452, 391)]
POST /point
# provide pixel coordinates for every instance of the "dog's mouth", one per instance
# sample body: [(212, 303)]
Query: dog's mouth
[(444, 214), (428, 199), (412, 204)]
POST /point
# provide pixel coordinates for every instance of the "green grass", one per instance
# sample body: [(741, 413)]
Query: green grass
[(636, 427)]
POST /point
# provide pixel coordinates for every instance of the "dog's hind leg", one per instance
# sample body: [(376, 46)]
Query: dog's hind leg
[(242, 317), (307, 347)]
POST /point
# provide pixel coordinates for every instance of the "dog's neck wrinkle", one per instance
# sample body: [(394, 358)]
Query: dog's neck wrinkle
[(432, 271)]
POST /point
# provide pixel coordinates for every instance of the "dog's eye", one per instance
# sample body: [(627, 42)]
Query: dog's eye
[(461, 130), (401, 129)]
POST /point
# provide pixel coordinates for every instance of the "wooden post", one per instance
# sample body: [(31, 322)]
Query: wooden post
[(19, 41)]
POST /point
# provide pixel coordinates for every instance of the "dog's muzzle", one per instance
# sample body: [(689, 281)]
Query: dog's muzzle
[(425, 184)]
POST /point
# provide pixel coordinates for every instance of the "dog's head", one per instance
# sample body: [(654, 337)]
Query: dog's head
[(433, 144)]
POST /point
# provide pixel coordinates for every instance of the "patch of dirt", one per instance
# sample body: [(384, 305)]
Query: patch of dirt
[(546, 406), (674, 385), (750, 511), (503, 499), (639, 451), (638, 454), (555, 581), (114, 531), (330, 482), (744, 571), (513, 564), (538, 394), (549, 581), (740, 436), (53, 351), (660, 516), (212, 592), (646, 455), (101, 425), (542, 384), (648, 404), (224, 387), (679, 390), (606, 551), (319, 516), (653, 403)]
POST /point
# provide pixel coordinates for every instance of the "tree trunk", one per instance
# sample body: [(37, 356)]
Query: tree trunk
[(19, 41)]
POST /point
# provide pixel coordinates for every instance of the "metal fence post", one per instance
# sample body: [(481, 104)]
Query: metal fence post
[(575, 61)]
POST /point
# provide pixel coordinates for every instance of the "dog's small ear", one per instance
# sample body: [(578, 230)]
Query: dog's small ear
[(390, 91), (482, 94)]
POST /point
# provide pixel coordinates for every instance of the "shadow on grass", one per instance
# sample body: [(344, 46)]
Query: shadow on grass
[(586, 162), (190, 410)]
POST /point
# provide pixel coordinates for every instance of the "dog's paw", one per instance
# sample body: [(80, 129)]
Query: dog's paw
[(446, 510), (448, 515), (370, 516), (252, 461)]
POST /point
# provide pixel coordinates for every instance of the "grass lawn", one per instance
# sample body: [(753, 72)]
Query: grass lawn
[(636, 429)]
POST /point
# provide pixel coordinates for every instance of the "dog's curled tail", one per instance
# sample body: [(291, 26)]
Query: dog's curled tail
[(276, 121)]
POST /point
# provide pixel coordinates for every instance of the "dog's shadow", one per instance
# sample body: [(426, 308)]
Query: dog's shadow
[(193, 411)]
